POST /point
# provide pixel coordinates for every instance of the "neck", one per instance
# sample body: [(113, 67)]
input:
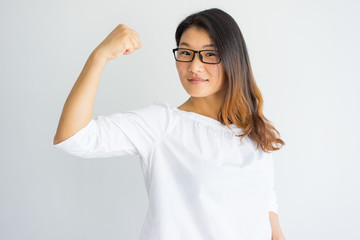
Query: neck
[(207, 106)]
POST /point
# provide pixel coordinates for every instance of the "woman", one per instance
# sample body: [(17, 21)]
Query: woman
[(207, 164)]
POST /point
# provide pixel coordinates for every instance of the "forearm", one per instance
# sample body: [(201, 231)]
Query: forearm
[(277, 233), (78, 108)]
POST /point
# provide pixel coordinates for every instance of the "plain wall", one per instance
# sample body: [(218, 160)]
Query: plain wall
[(305, 59)]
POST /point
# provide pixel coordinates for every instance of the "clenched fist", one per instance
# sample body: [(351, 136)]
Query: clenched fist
[(122, 40)]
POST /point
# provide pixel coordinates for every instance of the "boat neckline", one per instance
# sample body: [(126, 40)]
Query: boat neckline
[(197, 116)]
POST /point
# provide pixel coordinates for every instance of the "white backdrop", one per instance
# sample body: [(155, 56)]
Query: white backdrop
[(305, 58)]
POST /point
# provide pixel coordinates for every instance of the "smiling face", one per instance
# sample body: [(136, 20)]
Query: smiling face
[(198, 39)]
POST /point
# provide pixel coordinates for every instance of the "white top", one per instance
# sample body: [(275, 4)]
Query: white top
[(203, 183)]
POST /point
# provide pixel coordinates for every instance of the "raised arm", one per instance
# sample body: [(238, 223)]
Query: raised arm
[(78, 108)]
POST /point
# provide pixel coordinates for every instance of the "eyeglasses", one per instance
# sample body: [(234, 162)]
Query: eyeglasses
[(187, 55)]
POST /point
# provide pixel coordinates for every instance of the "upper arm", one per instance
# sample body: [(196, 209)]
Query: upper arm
[(126, 133)]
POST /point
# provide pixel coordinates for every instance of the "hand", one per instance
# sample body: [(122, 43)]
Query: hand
[(122, 40)]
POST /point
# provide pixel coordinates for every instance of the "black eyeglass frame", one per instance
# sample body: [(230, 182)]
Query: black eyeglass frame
[(199, 52)]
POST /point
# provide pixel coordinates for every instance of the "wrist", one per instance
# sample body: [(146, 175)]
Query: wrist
[(98, 56)]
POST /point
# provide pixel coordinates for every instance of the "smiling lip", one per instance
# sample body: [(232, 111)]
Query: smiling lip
[(197, 79)]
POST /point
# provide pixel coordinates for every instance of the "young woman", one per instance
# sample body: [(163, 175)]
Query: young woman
[(207, 164)]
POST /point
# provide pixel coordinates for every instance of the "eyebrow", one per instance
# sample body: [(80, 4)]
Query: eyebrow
[(186, 44)]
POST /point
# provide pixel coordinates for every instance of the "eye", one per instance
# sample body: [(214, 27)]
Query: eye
[(184, 52), (210, 54)]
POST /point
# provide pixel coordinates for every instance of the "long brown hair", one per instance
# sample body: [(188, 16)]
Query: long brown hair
[(243, 102)]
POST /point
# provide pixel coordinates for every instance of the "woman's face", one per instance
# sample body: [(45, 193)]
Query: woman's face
[(198, 39)]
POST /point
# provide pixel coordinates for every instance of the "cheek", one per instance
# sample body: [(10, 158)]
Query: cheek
[(180, 68), (215, 71)]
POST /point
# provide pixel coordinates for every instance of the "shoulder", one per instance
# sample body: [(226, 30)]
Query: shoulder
[(158, 116), (156, 111)]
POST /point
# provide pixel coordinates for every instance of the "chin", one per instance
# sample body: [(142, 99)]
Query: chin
[(198, 94)]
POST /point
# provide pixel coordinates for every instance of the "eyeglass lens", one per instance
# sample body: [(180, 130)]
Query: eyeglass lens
[(208, 56)]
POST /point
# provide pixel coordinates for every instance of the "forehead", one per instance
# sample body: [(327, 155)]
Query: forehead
[(196, 38)]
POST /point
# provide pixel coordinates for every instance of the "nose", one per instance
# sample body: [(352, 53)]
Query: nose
[(196, 65)]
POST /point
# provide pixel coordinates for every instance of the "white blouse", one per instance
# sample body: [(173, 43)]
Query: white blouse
[(203, 183)]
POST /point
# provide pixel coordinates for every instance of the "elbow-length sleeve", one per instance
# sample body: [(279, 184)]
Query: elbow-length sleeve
[(273, 200), (126, 133)]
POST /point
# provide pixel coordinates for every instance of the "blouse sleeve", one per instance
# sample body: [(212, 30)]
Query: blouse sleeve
[(126, 133), (273, 201)]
